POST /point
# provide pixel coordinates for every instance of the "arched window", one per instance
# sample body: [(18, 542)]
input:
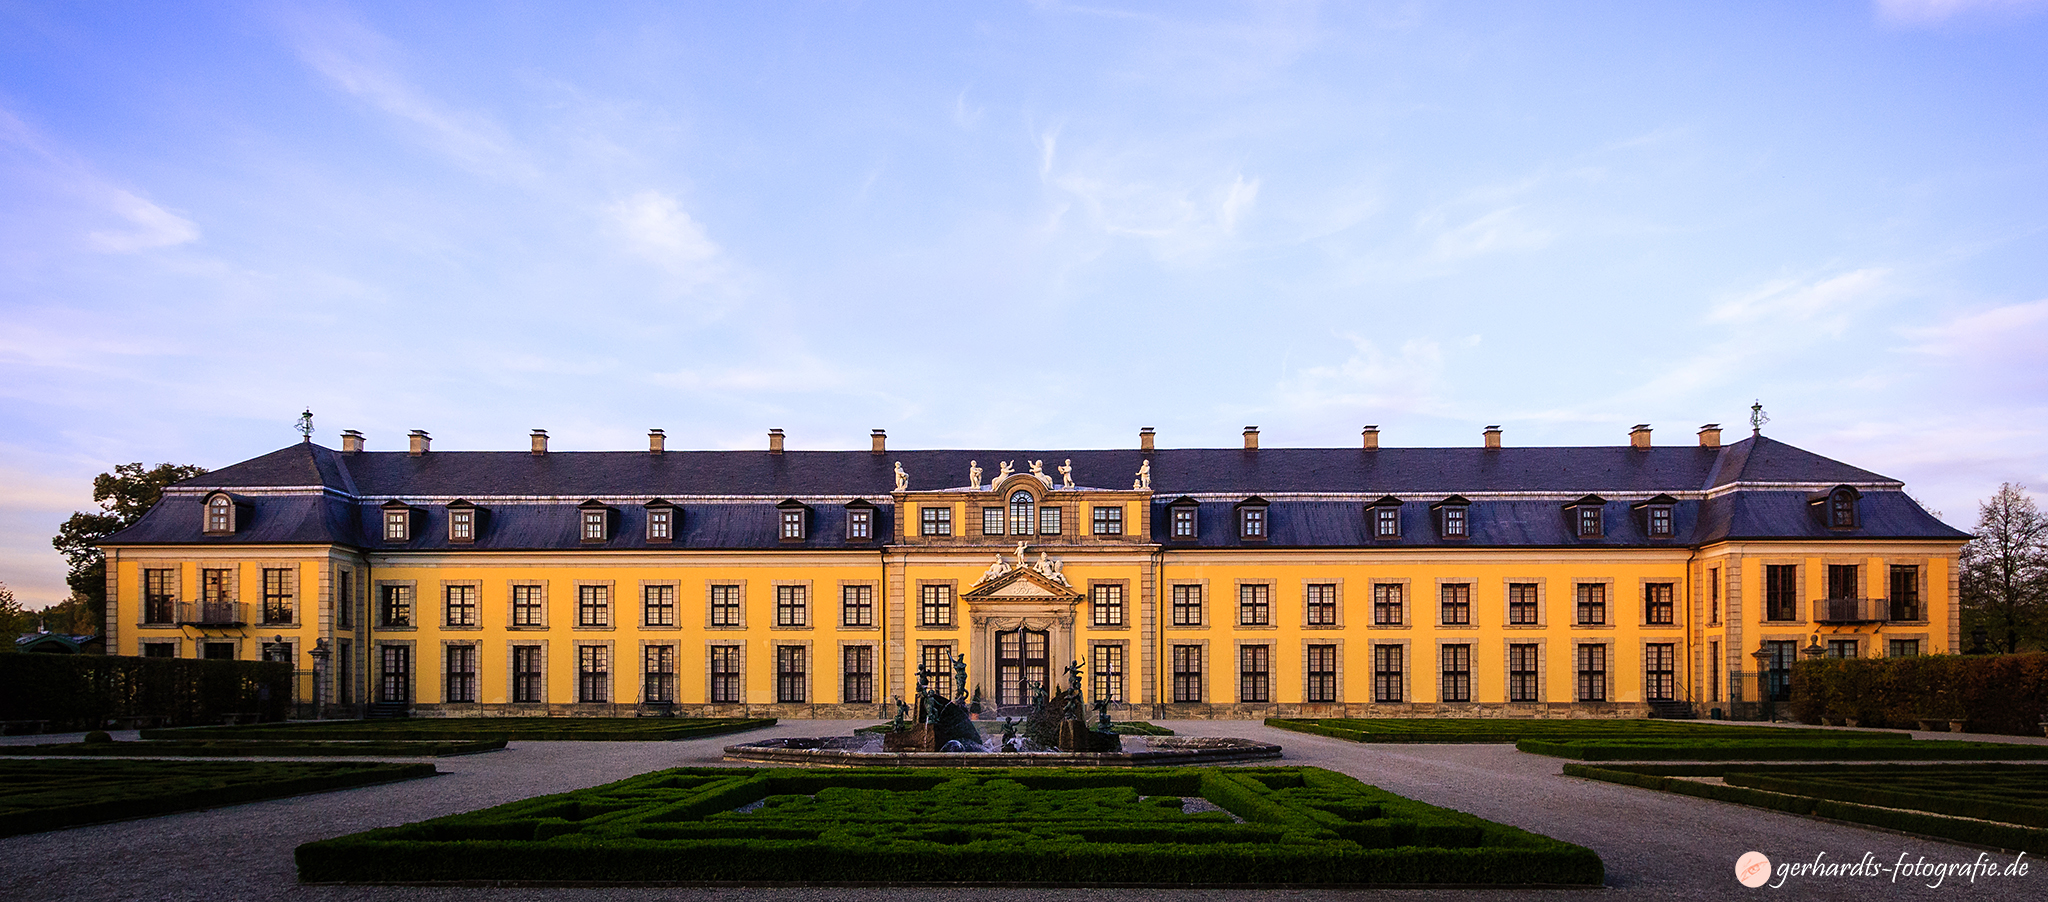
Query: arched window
[(1842, 509), (1023, 515), (220, 515)]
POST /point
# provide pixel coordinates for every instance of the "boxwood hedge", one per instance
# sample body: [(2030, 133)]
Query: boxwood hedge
[(279, 748), (1844, 793), (49, 794), (626, 729), (1500, 729), (1810, 748), (998, 826)]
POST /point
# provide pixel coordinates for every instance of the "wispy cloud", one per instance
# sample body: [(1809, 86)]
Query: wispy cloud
[(364, 63), (656, 227), (1997, 331), (1138, 192), (138, 224), (1830, 303), (1410, 378), (1930, 12), (1505, 229)]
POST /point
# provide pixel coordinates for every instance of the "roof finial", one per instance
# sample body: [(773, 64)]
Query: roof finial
[(305, 425), (1757, 418)]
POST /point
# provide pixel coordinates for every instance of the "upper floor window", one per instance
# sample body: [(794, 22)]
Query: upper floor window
[(1658, 605), (1023, 507), (1842, 581), (1585, 516), (1109, 521), (1386, 518), (220, 515), (397, 524), (1321, 602), (860, 524), (792, 520), (1183, 520), (1842, 508), (1660, 521), (461, 522), (1905, 592), (1592, 603), (792, 606), (1251, 522), (991, 521), (595, 519), (1049, 521), (1452, 522), (935, 521)]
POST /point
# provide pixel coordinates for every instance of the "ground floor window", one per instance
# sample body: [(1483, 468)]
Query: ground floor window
[(859, 673), (791, 675), (1386, 673), (1109, 673), (394, 682), (1904, 648), (461, 674), (1322, 673), (159, 649), (1255, 673), (593, 673), (1660, 671), (345, 672), (1778, 669), (1844, 648), (725, 673), (528, 677), (937, 661), (1523, 682), (1457, 674), (1592, 673), (660, 669), (1187, 673)]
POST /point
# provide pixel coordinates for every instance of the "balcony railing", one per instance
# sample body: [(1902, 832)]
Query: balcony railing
[(1851, 610), (212, 613)]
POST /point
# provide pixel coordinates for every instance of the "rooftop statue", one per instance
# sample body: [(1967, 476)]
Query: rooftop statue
[(974, 475), (1067, 474), (902, 478)]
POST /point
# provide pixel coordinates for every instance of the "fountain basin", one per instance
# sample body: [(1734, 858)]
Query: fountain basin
[(861, 751)]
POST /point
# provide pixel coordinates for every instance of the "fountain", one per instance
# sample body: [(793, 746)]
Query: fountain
[(943, 734)]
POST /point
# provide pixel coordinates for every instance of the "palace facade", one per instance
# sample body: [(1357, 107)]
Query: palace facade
[(1188, 582)]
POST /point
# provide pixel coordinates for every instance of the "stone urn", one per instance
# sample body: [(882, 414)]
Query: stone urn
[(1955, 726)]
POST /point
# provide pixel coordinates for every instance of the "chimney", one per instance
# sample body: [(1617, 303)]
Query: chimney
[(540, 441), (1639, 437), (1493, 437), (1251, 438), (420, 441), (1710, 435), (351, 441), (775, 441), (878, 441), (1372, 438), (1145, 439), (656, 441)]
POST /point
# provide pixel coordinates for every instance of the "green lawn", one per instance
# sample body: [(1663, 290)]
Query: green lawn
[(274, 748), (2000, 805), (1501, 729), (1819, 745), (1184, 826), (50, 794), (627, 729)]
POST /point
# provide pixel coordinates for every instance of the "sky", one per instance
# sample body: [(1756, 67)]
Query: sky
[(1021, 225)]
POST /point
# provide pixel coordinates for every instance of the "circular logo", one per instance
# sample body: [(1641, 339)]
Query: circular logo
[(1753, 869)]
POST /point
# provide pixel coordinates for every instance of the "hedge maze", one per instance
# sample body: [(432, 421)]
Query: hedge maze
[(1497, 729), (621, 729), (2000, 805), (1214, 826), (52, 794)]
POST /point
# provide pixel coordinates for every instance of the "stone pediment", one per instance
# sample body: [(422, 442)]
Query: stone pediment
[(1021, 584)]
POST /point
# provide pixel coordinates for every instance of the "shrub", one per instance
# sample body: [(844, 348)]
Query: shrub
[(82, 691), (98, 736), (1992, 693), (627, 729)]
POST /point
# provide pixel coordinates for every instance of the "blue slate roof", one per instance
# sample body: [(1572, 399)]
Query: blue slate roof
[(531, 499)]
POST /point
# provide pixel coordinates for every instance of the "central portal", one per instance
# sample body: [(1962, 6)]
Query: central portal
[(1022, 660)]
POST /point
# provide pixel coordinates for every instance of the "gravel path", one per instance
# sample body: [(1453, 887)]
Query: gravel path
[(1656, 846)]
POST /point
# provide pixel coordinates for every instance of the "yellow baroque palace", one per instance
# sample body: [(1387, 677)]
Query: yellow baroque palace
[(1186, 582)]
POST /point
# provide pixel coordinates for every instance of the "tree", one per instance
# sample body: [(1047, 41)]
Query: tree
[(123, 496), (13, 620), (2005, 571)]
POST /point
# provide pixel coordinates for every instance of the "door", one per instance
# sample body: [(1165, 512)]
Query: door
[(1022, 660), (394, 681)]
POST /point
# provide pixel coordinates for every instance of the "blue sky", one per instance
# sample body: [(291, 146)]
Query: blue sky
[(1017, 225)]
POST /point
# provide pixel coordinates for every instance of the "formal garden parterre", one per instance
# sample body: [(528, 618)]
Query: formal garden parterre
[(1219, 826), (50, 794), (1805, 746), (261, 748), (2003, 806), (1502, 729)]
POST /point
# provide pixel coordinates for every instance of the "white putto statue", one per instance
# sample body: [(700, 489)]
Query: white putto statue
[(1144, 481), (1003, 471), (1049, 567), (1067, 473), (902, 478), (1038, 470), (974, 475), (996, 569)]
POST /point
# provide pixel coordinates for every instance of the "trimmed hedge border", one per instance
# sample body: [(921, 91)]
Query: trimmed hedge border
[(1766, 750), (532, 729), (1986, 793), (245, 748), (2008, 837), (997, 826), (83, 691), (1498, 730), (56, 793)]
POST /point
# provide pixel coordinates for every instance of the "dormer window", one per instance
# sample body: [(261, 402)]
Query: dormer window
[(661, 521), (1452, 521), (1023, 511), (1657, 521), (1585, 516), (794, 520), (1252, 523), (1181, 519), (860, 521), (1386, 518), (462, 522), (1842, 508), (220, 515), (397, 522), (594, 521)]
